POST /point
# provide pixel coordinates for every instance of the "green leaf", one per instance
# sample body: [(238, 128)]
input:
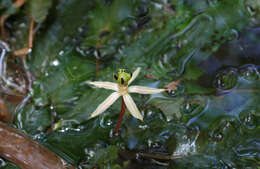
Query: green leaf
[(39, 9), (169, 106)]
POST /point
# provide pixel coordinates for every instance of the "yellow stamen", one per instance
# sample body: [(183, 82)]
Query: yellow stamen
[(122, 89)]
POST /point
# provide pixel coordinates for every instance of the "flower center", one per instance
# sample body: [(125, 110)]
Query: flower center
[(122, 89)]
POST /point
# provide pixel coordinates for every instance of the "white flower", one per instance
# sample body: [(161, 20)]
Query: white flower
[(123, 90)]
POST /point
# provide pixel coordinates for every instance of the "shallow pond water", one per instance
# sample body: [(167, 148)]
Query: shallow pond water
[(210, 48)]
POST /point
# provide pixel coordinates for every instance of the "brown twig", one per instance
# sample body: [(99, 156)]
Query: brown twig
[(25, 51), (160, 156), (121, 115), (99, 44), (16, 4), (97, 66), (31, 34), (2, 22), (15, 146)]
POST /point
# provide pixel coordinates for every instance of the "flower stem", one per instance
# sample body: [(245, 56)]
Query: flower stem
[(121, 115), (97, 66)]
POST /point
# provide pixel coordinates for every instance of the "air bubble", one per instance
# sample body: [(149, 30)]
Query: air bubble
[(89, 153), (226, 79), (223, 128), (249, 72), (106, 122), (177, 92), (193, 107), (248, 119), (61, 53), (55, 63)]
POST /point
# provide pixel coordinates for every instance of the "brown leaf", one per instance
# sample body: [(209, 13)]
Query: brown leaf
[(173, 85), (15, 146)]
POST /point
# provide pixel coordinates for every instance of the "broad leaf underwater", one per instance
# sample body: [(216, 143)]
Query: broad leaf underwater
[(208, 49)]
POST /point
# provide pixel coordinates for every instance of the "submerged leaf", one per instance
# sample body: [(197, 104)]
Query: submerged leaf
[(39, 9), (210, 121)]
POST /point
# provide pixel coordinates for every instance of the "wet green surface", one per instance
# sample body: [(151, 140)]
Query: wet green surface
[(211, 121)]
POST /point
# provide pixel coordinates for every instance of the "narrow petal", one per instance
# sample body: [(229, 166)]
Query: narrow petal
[(135, 74), (105, 104), (144, 90), (131, 106), (106, 85)]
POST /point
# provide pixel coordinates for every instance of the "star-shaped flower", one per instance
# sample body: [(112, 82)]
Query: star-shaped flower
[(123, 90)]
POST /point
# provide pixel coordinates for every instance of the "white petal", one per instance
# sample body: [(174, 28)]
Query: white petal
[(106, 85), (105, 104), (144, 90), (135, 74), (131, 106)]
